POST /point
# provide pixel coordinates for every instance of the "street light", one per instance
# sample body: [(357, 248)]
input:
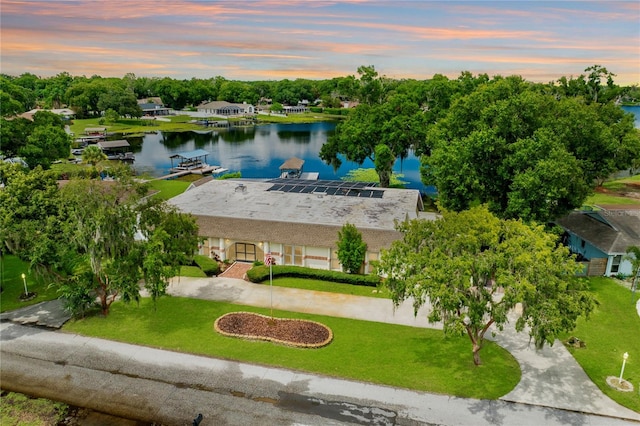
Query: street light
[(24, 280), (624, 361)]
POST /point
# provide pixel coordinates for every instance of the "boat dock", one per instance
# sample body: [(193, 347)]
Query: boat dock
[(192, 162)]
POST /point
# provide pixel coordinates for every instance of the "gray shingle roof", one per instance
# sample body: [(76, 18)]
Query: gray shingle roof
[(611, 231), (248, 210)]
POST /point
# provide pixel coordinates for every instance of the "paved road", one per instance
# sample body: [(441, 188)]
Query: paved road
[(169, 387)]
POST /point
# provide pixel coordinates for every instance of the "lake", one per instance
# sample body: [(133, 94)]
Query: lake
[(635, 110), (256, 152)]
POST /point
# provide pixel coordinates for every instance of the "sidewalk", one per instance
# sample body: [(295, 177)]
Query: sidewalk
[(551, 377)]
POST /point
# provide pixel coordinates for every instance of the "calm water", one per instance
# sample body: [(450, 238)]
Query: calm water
[(635, 110), (256, 152)]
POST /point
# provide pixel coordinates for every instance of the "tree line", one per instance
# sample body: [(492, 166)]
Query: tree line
[(90, 95)]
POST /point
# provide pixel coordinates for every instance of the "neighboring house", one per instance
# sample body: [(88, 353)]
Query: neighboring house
[(226, 109), (296, 220), (152, 107), (65, 113), (601, 238), (298, 109), (349, 104)]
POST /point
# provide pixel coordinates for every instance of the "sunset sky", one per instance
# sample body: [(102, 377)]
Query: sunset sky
[(277, 39)]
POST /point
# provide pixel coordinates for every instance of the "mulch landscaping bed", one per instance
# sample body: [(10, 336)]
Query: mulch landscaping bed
[(290, 332)]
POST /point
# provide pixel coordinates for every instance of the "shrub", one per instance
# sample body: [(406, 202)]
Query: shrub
[(230, 175), (209, 266), (258, 274), (335, 111), (351, 248)]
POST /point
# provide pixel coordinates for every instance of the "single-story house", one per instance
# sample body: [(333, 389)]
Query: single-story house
[(295, 220), (601, 238), (65, 113), (153, 107), (297, 109), (226, 109)]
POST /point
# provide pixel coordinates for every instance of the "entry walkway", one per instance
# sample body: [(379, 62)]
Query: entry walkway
[(551, 377)]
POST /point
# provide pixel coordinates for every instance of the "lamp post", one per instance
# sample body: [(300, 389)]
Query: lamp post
[(269, 261), (624, 361), (24, 280)]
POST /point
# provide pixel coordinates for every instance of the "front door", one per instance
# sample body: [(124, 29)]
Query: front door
[(245, 252)]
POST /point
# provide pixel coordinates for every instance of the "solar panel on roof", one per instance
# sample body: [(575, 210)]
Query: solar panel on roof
[(331, 191), (330, 187)]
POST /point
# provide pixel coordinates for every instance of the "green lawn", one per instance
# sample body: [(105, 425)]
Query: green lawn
[(190, 271), (307, 117), (330, 287), (609, 199), (612, 330), (178, 123), (169, 188), (18, 409), (393, 355), (630, 179), (13, 286)]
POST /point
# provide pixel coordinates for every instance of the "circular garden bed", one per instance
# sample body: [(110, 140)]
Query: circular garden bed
[(290, 332)]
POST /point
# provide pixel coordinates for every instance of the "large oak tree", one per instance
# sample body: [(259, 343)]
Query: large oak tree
[(472, 269), (525, 152), (381, 133)]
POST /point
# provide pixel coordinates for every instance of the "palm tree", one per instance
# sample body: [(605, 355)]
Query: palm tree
[(633, 255), (93, 155)]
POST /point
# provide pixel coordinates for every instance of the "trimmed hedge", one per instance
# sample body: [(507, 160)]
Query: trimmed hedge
[(258, 274), (209, 266), (336, 111)]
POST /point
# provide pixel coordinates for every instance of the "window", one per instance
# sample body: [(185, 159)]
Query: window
[(293, 255), (245, 252), (615, 264)]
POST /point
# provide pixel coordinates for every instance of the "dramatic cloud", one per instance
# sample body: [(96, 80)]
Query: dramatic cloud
[(276, 39)]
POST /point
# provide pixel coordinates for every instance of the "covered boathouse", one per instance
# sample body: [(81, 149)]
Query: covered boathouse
[(194, 162)]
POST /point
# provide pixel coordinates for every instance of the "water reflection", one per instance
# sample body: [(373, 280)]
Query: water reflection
[(257, 152)]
